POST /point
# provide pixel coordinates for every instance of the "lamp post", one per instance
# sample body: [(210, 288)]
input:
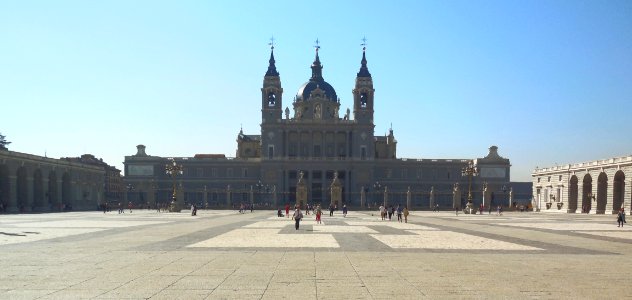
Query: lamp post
[(377, 186), (504, 188), (469, 170), (173, 169)]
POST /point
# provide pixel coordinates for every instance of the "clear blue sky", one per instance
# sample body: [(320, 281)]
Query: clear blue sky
[(546, 81)]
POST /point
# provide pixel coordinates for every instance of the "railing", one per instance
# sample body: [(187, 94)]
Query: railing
[(601, 162)]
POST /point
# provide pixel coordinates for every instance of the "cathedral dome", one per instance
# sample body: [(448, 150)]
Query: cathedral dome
[(306, 89), (315, 82)]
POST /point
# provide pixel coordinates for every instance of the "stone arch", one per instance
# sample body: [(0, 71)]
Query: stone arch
[(602, 193), (66, 190), (38, 189), (587, 193), (51, 194), (5, 187), (573, 192), (22, 189), (618, 191)]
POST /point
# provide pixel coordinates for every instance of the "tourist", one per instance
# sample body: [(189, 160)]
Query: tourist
[(399, 213), (382, 212), (391, 212), (344, 211), (499, 210), (621, 217), (406, 214), (287, 209), (319, 213), (279, 213), (298, 215), (481, 208), (120, 208), (331, 210), (456, 210), (129, 205)]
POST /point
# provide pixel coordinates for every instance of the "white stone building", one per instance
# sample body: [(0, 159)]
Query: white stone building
[(600, 186)]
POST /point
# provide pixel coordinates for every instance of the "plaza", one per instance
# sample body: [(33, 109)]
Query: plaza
[(222, 254)]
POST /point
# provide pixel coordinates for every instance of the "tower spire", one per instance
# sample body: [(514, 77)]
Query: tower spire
[(272, 71), (364, 70), (317, 68)]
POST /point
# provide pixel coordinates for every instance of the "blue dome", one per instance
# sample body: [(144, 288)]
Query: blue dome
[(306, 89)]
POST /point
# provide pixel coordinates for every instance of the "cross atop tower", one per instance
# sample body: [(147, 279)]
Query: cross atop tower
[(317, 46), (363, 43), (271, 43)]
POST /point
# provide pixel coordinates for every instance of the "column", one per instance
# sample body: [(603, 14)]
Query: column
[(362, 197), (610, 209), (12, 204), (385, 196), (41, 205), (228, 202), (29, 194), (151, 195), (408, 199)]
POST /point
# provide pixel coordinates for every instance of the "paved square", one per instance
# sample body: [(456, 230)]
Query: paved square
[(227, 255)]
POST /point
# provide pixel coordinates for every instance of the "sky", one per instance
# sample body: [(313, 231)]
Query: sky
[(548, 82)]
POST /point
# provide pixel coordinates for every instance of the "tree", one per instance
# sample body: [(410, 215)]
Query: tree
[(3, 142)]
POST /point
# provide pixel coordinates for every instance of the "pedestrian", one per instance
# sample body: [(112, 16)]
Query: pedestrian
[(399, 213), (498, 209), (344, 211), (120, 208), (621, 217), (481, 208), (331, 210), (287, 210), (129, 205), (382, 212), (298, 215), (391, 212), (406, 214), (490, 209), (319, 213), (456, 210)]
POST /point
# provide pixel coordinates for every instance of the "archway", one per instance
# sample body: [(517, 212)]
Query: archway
[(572, 195), (618, 191), (587, 193), (66, 193), (38, 189), (4, 187), (51, 194), (22, 189), (602, 193)]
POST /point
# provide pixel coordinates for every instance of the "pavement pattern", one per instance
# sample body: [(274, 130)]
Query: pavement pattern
[(223, 254)]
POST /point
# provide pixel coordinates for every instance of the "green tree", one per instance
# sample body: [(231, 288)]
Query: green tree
[(3, 142)]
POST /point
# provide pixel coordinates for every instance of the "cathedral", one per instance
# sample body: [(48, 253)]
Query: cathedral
[(314, 143)]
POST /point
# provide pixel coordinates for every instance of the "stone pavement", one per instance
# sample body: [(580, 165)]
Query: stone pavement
[(227, 255)]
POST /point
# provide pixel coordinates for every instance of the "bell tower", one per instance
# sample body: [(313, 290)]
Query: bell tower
[(363, 94), (271, 93)]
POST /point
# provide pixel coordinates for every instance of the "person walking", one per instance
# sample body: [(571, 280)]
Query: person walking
[(381, 208), (331, 210), (287, 209), (406, 212), (621, 217), (298, 215), (319, 213), (344, 211), (129, 205), (456, 210), (399, 213)]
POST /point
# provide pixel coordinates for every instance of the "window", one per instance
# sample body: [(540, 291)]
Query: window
[(317, 151), (270, 151), (538, 179), (363, 100), (362, 152), (389, 173), (548, 179), (560, 179), (271, 99), (244, 172), (214, 172), (229, 172)]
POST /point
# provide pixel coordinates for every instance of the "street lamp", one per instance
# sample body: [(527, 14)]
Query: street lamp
[(469, 170), (504, 188), (173, 169), (377, 186)]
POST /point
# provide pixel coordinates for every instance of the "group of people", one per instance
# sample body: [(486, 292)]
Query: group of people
[(388, 212), (316, 210)]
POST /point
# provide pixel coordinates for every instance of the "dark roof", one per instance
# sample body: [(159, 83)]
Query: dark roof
[(364, 70), (272, 71), (316, 81)]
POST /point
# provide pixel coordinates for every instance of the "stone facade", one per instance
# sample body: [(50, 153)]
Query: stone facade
[(35, 183), (113, 187), (319, 141), (590, 187)]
